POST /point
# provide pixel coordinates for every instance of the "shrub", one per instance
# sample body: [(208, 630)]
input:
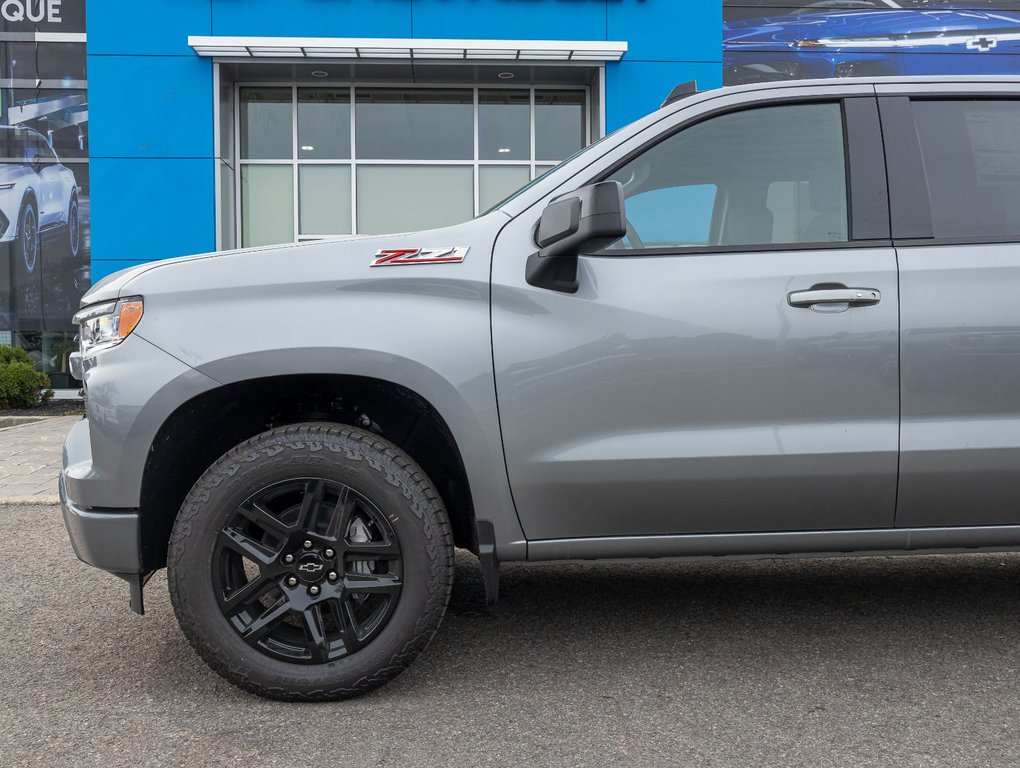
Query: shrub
[(21, 385)]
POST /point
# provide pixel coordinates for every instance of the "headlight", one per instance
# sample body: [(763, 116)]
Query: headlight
[(106, 325)]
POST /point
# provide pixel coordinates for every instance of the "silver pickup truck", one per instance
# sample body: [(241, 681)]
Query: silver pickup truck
[(763, 321)]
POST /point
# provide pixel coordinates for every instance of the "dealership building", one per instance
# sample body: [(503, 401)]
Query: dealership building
[(232, 123), (187, 126)]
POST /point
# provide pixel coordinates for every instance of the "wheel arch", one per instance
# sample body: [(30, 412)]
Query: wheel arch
[(209, 424), (29, 194)]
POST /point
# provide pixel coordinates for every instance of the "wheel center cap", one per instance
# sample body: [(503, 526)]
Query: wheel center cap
[(310, 568)]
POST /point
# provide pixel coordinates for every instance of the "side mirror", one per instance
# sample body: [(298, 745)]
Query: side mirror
[(588, 219)]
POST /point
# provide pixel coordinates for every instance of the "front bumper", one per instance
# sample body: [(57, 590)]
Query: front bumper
[(106, 539)]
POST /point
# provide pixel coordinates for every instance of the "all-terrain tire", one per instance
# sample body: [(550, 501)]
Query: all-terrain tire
[(375, 468)]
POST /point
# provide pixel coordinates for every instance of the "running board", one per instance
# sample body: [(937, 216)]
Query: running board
[(877, 541)]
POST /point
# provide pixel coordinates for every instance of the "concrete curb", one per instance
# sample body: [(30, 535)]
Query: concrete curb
[(9, 422), (42, 500)]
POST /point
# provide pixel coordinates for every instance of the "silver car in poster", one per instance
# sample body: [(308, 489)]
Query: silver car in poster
[(38, 197)]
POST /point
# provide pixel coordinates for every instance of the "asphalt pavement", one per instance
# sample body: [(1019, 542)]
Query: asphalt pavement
[(909, 661)]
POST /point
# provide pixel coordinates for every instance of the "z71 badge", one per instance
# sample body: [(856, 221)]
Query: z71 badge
[(395, 257)]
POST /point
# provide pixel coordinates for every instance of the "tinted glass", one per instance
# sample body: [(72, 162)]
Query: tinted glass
[(266, 124), (497, 182), (43, 150), (391, 199), (559, 124), (62, 115), (415, 124), (13, 146), (971, 152), (504, 125), (657, 211), (759, 177), (225, 151), (31, 144), (267, 204), (324, 123), (324, 195), (29, 60), (226, 206)]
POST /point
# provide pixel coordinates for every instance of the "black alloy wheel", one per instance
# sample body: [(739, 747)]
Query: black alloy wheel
[(307, 570), (311, 562)]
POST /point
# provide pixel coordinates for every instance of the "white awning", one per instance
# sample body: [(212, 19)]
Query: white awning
[(407, 48)]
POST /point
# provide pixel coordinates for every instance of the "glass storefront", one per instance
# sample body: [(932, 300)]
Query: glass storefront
[(326, 161)]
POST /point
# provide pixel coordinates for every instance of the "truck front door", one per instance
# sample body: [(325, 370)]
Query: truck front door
[(732, 364)]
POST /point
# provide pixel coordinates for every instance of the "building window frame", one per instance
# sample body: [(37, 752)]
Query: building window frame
[(536, 167)]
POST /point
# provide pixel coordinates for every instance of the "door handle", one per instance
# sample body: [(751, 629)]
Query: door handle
[(854, 297)]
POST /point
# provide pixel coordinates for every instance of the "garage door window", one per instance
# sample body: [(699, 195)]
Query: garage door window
[(319, 161)]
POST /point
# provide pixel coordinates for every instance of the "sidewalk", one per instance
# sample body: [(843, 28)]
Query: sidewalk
[(30, 460)]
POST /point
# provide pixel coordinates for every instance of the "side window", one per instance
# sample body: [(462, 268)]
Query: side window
[(46, 152), (763, 176), (30, 149), (971, 154), (673, 214), (39, 150)]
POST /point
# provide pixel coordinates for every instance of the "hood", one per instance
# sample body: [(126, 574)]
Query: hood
[(113, 286), (896, 26), (9, 169), (297, 268)]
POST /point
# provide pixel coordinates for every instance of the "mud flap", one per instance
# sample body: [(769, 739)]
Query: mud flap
[(488, 560), (136, 583)]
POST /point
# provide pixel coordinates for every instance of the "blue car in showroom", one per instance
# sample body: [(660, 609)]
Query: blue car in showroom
[(873, 38)]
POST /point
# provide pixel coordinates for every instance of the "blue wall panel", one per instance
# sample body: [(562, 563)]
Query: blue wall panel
[(149, 209), (667, 30), (150, 106), (511, 19), (312, 18), (647, 84), (148, 28)]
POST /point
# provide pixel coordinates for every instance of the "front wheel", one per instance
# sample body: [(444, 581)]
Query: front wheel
[(312, 562), (27, 277), (27, 239), (73, 227)]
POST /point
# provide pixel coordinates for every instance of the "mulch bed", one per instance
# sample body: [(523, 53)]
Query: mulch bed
[(52, 408)]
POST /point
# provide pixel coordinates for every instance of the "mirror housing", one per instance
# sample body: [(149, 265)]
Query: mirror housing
[(587, 219)]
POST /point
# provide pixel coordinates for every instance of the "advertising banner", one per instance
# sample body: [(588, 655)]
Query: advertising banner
[(773, 40), (44, 178)]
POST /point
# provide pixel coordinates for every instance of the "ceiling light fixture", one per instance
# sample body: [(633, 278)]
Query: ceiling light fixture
[(503, 150), (505, 75), (307, 148), (320, 73)]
